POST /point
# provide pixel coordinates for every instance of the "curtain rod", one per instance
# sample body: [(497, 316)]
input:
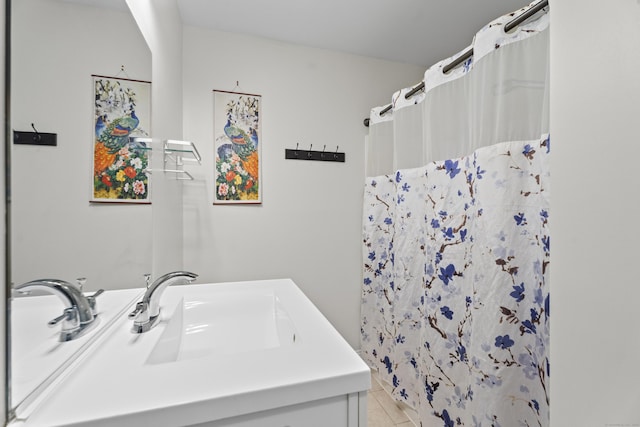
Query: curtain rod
[(469, 53)]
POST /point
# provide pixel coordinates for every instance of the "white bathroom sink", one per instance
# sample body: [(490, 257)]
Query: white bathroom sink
[(218, 351), (206, 323)]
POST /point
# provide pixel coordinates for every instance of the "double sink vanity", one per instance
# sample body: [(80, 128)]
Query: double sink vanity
[(255, 353)]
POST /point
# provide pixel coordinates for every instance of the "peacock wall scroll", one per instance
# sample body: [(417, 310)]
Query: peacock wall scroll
[(237, 148), (122, 109)]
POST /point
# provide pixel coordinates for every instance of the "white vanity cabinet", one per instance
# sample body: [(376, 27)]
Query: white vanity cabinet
[(340, 411)]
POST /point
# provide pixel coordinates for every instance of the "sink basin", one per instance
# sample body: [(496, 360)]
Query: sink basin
[(205, 324)]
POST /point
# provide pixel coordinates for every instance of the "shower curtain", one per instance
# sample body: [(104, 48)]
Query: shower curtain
[(455, 296)]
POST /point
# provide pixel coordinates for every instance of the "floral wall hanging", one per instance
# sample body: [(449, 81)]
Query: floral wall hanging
[(237, 148), (122, 109)]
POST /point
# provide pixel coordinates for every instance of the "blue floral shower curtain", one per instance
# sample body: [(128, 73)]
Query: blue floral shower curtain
[(455, 294), (455, 312)]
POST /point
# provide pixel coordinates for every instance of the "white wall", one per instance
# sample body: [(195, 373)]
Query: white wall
[(57, 46), (595, 88), (309, 224)]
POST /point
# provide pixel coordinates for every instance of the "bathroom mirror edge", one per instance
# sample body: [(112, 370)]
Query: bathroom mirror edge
[(6, 262)]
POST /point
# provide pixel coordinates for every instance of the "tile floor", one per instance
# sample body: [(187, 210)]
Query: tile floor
[(382, 410)]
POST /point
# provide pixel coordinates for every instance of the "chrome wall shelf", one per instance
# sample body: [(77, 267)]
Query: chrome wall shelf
[(175, 154)]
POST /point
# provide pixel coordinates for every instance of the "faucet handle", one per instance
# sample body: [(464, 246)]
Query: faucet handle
[(97, 294), (54, 322), (147, 279), (69, 317), (142, 309), (81, 281), (92, 301), (141, 318)]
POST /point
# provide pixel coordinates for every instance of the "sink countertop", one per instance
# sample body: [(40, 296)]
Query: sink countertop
[(115, 385)]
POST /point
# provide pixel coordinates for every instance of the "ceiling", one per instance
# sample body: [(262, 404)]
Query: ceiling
[(420, 32)]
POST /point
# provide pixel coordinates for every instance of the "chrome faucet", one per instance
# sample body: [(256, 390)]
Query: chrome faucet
[(147, 312), (80, 312)]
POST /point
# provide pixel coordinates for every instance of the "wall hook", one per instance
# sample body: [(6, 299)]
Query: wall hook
[(34, 138), (297, 154), (37, 136)]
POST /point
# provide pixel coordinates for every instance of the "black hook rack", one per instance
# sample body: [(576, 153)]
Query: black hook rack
[(325, 156), (35, 137)]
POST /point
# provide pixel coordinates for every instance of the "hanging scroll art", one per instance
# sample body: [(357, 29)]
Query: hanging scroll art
[(121, 122), (237, 148)]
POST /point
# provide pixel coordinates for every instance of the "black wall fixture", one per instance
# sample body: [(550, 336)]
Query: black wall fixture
[(35, 137), (324, 156)]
